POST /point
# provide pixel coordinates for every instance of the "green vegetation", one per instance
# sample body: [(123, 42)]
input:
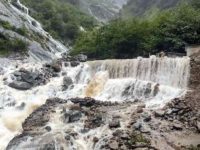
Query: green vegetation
[(61, 19), (6, 25), (170, 30), (147, 7), (8, 46)]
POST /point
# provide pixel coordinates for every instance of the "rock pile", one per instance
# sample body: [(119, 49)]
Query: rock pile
[(24, 79), (75, 60), (179, 111)]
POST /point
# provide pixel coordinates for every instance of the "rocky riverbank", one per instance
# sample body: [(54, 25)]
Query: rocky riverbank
[(89, 124)]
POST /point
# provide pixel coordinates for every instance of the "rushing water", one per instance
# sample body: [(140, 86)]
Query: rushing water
[(152, 80)]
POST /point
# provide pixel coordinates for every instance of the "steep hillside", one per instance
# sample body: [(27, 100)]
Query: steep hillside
[(21, 33), (102, 10), (61, 19), (143, 7), (106, 10)]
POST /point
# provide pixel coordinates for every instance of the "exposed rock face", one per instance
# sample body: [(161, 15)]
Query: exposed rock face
[(42, 46), (102, 10)]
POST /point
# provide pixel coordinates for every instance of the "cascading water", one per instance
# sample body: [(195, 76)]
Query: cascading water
[(152, 80)]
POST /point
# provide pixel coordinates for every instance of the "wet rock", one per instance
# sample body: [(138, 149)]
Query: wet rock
[(95, 139), (87, 102), (146, 117), (67, 64), (148, 89), (137, 125), (21, 107), (1, 71), (198, 126), (140, 108), (20, 85), (74, 63), (34, 23), (64, 73), (94, 121), (85, 130), (24, 79), (159, 113), (72, 116), (48, 128), (156, 89), (49, 146), (67, 137), (113, 145), (125, 136), (177, 125), (56, 66), (67, 81), (81, 58), (114, 124)]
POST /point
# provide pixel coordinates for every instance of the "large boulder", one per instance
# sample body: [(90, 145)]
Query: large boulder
[(20, 85), (25, 79), (56, 66), (67, 82)]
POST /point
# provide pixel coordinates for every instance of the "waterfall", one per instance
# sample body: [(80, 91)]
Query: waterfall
[(155, 81), (167, 71)]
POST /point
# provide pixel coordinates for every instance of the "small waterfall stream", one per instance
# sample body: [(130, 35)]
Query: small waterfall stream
[(55, 47)]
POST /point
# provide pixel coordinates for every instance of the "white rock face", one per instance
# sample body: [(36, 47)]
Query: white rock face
[(42, 47), (102, 10)]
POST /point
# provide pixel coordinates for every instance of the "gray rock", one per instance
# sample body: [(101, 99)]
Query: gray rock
[(114, 124), (49, 146), (137, 125), (159, 113), (48, 128), (72, 116), (113, 145), (56, 66), (67, 137), (81, 58), (67, 81), (177, 126), (146, 117), (1, 70), (198, 126), (140, 108), (21, 107), (74, 63), (20, 85)]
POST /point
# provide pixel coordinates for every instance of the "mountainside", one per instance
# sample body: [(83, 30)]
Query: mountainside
[(61, 19), (142, 7), (102, 10), (20, 32), (105, 10)]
